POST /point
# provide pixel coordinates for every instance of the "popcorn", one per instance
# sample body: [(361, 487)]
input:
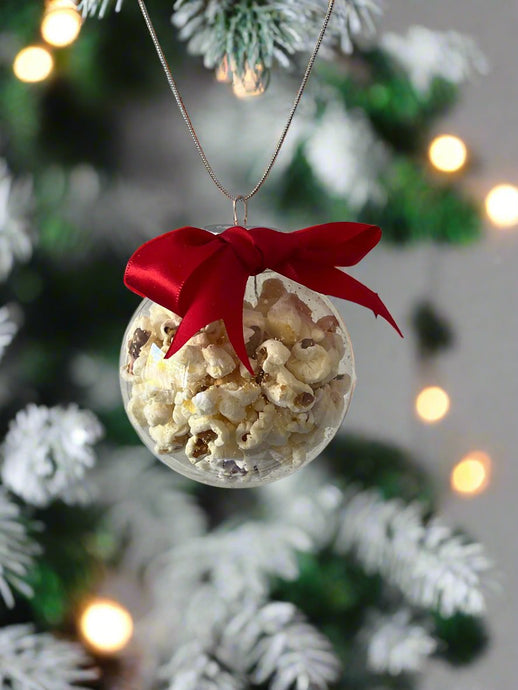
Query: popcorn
[(207, 416)]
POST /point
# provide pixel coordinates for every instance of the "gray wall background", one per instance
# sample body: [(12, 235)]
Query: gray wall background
[(476, 287)]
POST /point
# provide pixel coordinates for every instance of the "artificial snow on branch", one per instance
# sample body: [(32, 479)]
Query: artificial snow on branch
[(257, 33), (194, 668), (15, 208), (306, 500), (47, 452), (239, 562), (32, 661), (346, 157), (279, 646), (427, 55), (8, 329), (396, 644), (431, 565), (146, 506), (17, 551), (271, 643)]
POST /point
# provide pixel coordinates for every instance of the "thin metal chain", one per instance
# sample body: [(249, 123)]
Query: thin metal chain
[(190, 126)]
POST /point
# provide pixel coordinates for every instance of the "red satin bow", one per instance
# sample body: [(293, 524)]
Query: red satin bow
[(202, 277)]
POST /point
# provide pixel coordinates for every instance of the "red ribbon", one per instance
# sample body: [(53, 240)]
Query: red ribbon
[(202, 277)]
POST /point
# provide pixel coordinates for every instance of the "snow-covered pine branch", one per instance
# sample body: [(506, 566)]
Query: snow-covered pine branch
[(32, 661), (396, 643), (239, 561), (146, 506), (308, 501), (198, 584), (277, 644), (432, 566), (258, 33), (16, 550), (427, 55), (98, 7), (16, 203), (47, 452), (8, 329), (270, 643), (346, 156), (194, 668)]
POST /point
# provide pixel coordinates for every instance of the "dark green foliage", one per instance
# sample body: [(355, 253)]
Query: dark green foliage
[(420, 205), (382, 465), (421, 208), (400, 114), (463, 638), (434, 333), (70, 565)]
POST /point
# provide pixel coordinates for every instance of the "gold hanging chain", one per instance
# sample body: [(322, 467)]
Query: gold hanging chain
[(181, 105)]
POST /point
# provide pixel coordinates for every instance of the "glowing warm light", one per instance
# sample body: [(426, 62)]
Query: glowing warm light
[(106, 626), (502, 205), (432, 404), (223, 72), (61, 23), (447, 153), (252, 83), (33, 64), (470, 476)]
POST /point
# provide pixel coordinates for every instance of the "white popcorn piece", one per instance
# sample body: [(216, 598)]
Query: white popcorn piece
[(168, 437), (234, 400), (251, 435), (284, 390), (229, 400), (272, 291), (157, 413), (289, 319), (188, 368), (209, 437), (135, 411), (219, 362), (273, 355), (309, 362), (169, 327), (157, 316)]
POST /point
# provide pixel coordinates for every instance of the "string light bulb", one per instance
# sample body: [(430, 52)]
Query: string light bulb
[(432, 404), (61, 23), (447, 153), (252, 82), (223, 72), (105, 626), (33, 64), (470, 476), (502, 205)]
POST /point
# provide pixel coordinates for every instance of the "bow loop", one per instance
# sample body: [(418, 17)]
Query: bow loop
[(202, 277), (245, 248)]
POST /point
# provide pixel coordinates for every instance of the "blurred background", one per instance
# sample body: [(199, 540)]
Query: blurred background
[(342, 576)]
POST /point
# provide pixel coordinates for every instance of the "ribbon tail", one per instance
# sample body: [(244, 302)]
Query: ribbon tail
[(189, 326), (233, 320), (332, 281), (215, 292)]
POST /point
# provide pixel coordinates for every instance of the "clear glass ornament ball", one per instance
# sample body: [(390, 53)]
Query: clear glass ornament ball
[(204, 415)]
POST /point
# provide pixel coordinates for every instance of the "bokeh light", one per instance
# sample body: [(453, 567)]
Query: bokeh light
[(223, 72), (33, 64), (61, 23), (432, 404), (471, 475), (251, 83), (106, 626), (502, 205), (448, 153)]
